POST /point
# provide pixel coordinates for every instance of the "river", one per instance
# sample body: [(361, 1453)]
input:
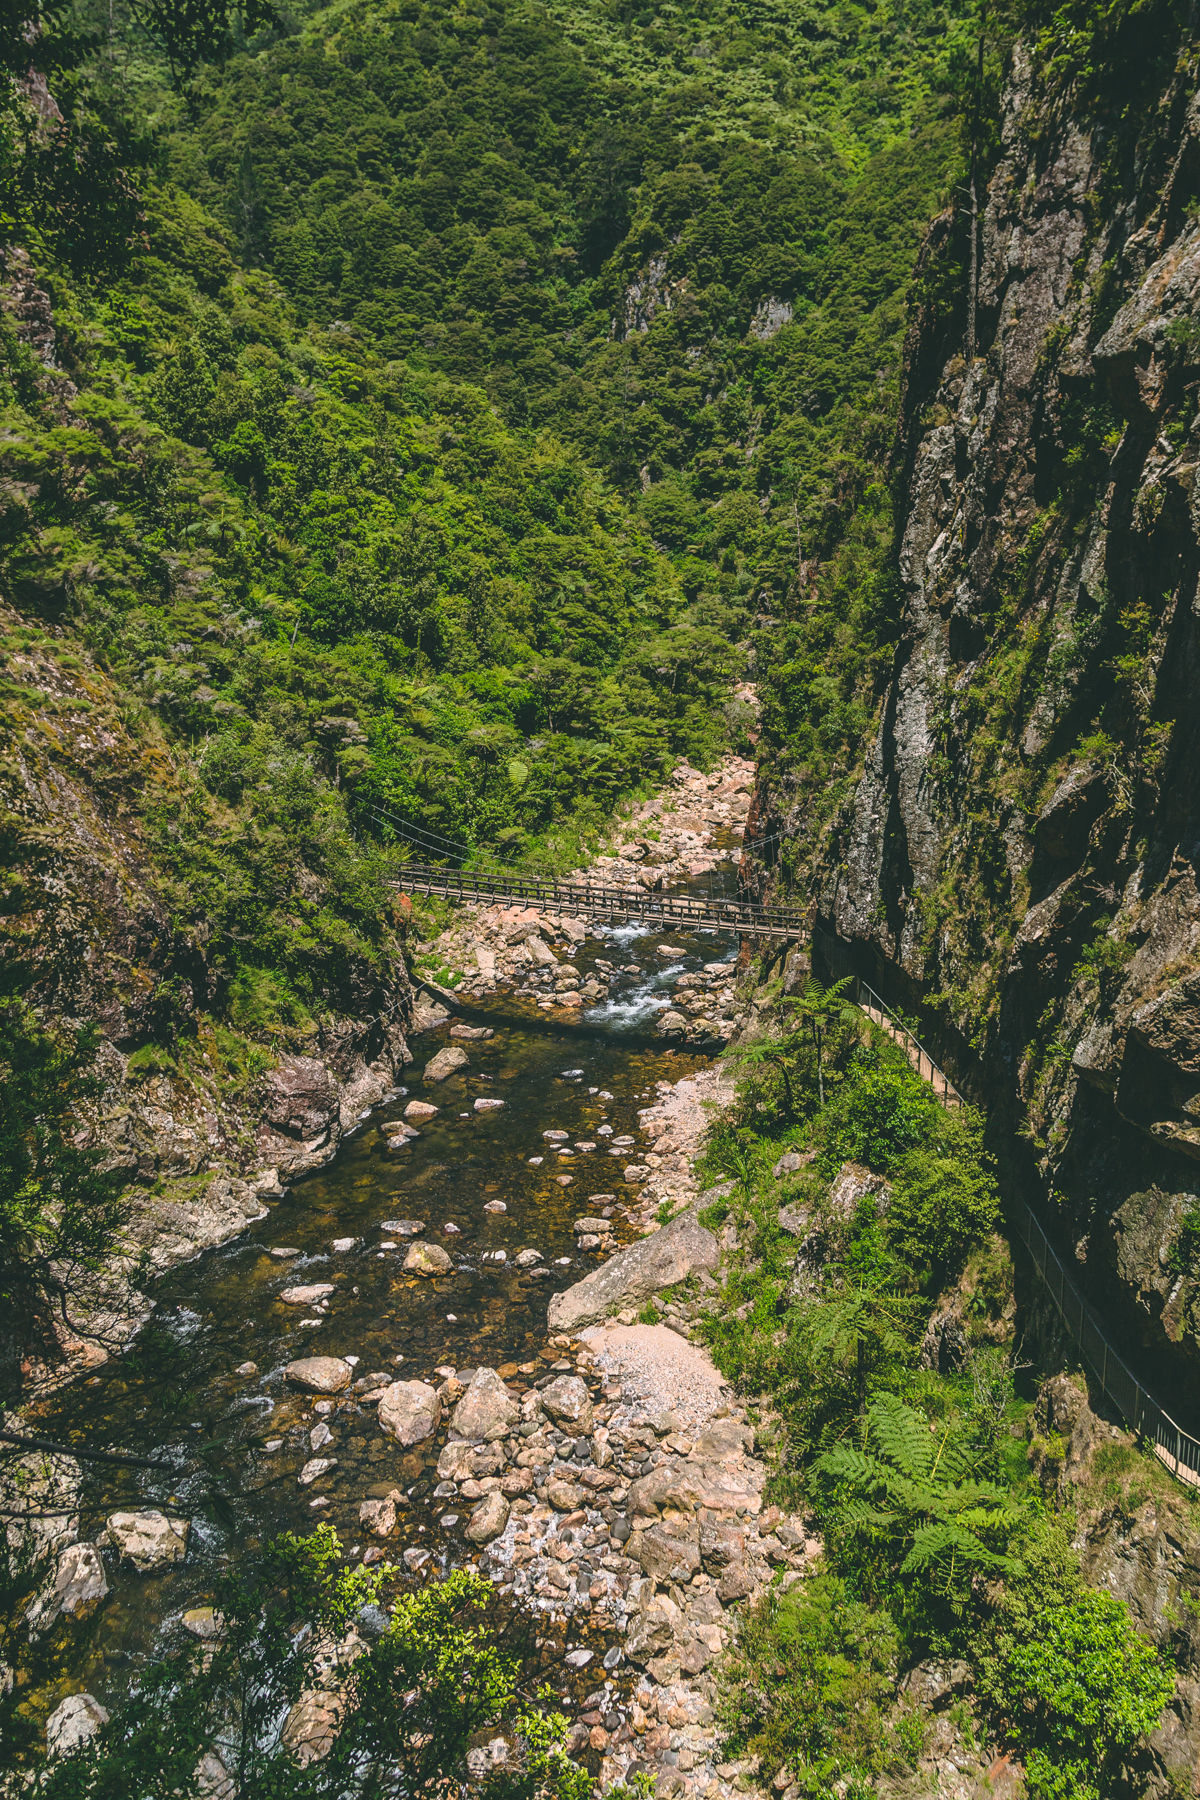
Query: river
[(241, 1439)]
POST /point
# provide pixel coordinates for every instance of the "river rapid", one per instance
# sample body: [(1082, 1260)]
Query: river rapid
[(484, 1185)]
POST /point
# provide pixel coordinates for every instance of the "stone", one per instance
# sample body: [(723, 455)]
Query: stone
[(663, 1556), (421, 1109), (247, 1368), (669, 1023), (212, 1778), (409, 1228), (737, 1581), (148, 1540), (525, 1259), (378, 1517), (853, 1183), (935, 1684), (455, 1461), (78, 1588), (203, 1622), (312, 1725), (314, 1468), (74, 1722), (300, 1100), (486, 1104), (307, 1296), (792, 1161), (445, 1063), (633, 1275), (488, 1519), (410, 1411), (427, 1259), (583, 1227), (721, 1544), (414, 1558), (565, 1496), (473, 1033), (486, 1410), (567, 1399), (343, 1244), (652, 1631), (578, 1659), (320, 1374)]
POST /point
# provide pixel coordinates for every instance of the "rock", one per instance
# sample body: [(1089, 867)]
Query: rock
[(671, 1022), (312, 1725), (737, 1581), (578, 1659), (74, 1722), (315, 1467), (495, 1206), (934, 1684), (148, 1540), (525, 1259), (652, 1631), (203, 1622), (792, 1161), (78, 1588), (568, 1400), (489, 1519), (300, 1100), (212, 1778), (853, 1183), (541, 953), (378, 1517), (485, 1104), (427, 1259), (721, 1545), (307, 1296), (410, 1411), (486, 1410), (414, 1558), (403, 1227), (474, 1033), (556, 1137), (485, 1759), (446, 1062), (342, 1245), (665, 1557), (320, 1374), (565, 1496), (636, 1273), (421, 1109), (246, 1368)]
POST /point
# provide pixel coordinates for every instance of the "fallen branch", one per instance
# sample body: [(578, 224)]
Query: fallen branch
[(107, 1456)]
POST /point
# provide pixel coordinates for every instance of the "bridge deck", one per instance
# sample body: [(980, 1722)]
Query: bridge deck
[(601, 900)]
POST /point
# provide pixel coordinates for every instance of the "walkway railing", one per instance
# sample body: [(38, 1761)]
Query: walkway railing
[(600, 900), (1174, 1447)]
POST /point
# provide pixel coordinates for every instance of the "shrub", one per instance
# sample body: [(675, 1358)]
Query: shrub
[(942, 1206)]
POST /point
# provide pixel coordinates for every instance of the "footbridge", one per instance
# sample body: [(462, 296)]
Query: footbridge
[(611, 904)]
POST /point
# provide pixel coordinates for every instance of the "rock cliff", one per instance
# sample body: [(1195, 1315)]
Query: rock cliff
[(1017, 861)]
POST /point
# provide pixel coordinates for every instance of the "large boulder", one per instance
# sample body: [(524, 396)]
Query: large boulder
[(320, 1374), (78, 1588), (427, 1259), (300, 1099), (486, 1410), (663, 1556), (489, 1519), (71, 1724), (635, 1274), (445, 1063), (307, 1296), (148, 1540), (410, 1411), (652, 1631), (568, 1402)]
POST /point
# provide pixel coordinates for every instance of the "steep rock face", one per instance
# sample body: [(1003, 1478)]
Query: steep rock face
[(1019, 858)]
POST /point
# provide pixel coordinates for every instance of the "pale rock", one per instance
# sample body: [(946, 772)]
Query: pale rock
[(567, 1399), (427, 1259), (148, 1540), (74, 1722), (487, 1409), (410, 1411), (307, 1296), (78, 1588), (488, 1519), (445, 1063), (319, 1374)]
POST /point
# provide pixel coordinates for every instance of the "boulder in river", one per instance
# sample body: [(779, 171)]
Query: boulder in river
[(445, 1063), (636, 1273), (410, 1411), (408, 1228), (315, 1467), (320, 1374), (489, 1519), (478, 1033), (486, 1410), (427, 1259), (72, 1723), (421, 1109), (378, 1517), (148, 1540), (78, 1588), (307, 1296), (663, 1556)]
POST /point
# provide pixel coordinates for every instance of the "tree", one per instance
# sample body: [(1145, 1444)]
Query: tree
[(60, 1211), (858, 1325), (820, 1007), (387, 1719), (1084, 1688), (196, 31), (905, 1489)]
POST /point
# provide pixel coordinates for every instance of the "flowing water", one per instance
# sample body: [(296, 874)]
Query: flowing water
[(241, 1440)]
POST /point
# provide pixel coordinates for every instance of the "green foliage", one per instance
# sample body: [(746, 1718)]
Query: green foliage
[(806, 1683), (60, 1212), (904, 1501), (942, 1206), (1085, 1688), (412, 1701)]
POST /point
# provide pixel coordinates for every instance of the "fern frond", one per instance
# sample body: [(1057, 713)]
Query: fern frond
[(845, 1463), (901, 1435)]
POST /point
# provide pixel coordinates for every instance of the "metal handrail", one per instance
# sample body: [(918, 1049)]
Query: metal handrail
[(917, 1054), (1175, 1448), (601, 899)]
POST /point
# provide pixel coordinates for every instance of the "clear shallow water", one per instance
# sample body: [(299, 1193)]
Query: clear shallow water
[(178, 1391)]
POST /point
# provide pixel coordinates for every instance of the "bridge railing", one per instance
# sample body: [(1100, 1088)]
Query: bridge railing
[(604, 898), (1178, 1450)]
